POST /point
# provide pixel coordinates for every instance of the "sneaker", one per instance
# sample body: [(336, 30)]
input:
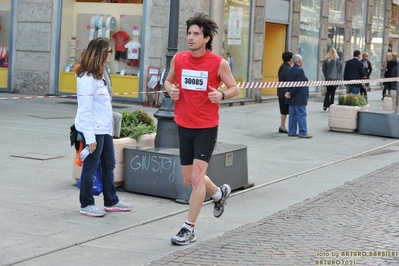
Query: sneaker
[(305, 136), (184, 237), (220, 205), (119, 207), (92, 211)]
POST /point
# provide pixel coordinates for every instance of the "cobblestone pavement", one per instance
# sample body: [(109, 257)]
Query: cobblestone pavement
[(353, 224)]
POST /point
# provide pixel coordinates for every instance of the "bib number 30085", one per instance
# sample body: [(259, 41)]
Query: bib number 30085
[(194, 80)]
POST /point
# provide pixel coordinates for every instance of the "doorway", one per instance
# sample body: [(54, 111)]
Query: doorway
[(274, 46)]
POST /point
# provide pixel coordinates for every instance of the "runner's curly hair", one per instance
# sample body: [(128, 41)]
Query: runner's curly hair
[(207, 25)]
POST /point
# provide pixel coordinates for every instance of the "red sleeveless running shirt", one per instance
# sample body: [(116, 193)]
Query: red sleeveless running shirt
[(194, 75)]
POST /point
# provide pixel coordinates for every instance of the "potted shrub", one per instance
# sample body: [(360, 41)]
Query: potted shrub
[(343, 117), (136, 124), (137, 129)]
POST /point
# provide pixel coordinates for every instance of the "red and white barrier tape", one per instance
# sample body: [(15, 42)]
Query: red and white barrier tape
[(286, 84), (244, 85)]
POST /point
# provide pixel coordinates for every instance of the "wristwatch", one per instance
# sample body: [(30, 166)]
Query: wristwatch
[(223, 95)]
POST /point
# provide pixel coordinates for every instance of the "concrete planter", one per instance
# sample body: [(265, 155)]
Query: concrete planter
[(387, 103), (157, 171), (344, 118), (119, 145)]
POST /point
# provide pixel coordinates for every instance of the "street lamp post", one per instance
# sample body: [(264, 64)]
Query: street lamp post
[(167, 129)]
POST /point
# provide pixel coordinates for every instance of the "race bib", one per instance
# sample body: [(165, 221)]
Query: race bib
[(194, 80)]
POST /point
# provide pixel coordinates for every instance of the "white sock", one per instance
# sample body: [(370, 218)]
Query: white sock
[(218, 195), (189, 225)]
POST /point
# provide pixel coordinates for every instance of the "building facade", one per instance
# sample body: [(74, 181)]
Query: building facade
[(42, 40)]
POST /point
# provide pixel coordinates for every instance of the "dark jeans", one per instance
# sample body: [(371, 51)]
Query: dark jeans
[(387, 86), (330, 94), (104, 151), (354, 89)]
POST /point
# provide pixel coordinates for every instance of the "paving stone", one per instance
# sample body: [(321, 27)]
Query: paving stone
[(344, 225)]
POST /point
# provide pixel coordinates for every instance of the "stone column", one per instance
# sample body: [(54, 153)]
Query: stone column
[(324, 10), (34, 50), (216, 13), (257, 47)]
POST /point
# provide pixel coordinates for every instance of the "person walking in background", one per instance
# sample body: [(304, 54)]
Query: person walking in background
[(395, 73), (297, 99), (368, 69), (354, 70), (193, 82), (332, 69), (94, 120), (229, 60), (389, 65), (282, 71)]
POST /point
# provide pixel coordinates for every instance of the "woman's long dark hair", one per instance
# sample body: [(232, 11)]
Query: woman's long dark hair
[(94, 58)]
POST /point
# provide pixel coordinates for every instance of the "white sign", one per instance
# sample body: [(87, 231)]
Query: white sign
[(235, 26)]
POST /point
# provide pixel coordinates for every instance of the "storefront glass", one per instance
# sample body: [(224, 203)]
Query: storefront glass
[(393, 29), (121, 22), (393, 20), (336, 26), (5, 8), (377, 34), (235, 36), (359, 25), (309, 38)]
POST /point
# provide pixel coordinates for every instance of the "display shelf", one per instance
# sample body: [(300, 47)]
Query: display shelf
[(3, 77), (73, 53), (120, 84), (125, 84)]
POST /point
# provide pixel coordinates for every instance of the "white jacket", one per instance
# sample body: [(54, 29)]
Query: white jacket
[(94, 114)]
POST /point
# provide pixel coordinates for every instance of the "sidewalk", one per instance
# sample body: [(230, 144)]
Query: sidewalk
[(353, 224), (40, 223)]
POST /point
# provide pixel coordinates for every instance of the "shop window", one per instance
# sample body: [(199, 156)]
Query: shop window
[(83, 22), (309, 40), (235, 36), (377, 33), (336, 39), (5, 7), (393, 20), (337, 12), (359, 26)]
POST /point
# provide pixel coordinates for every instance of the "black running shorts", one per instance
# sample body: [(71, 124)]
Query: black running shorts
[(196, 144)]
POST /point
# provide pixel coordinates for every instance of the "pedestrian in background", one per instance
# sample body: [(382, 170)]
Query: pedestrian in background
[(354, 71), (297, 98), (332, 69), (368, 69), (387, 69), (282, 71), (193, 82), (94, 120), (395, 73), (229, 60)]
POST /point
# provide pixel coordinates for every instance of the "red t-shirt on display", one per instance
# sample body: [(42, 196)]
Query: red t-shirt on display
[(120, 40), (195, 75)]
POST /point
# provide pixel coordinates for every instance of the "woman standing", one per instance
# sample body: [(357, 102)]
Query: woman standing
[(94, 120), (332, 68)]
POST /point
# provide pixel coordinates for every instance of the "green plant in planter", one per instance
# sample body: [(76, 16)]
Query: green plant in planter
[(136, 124), (351, 100)]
